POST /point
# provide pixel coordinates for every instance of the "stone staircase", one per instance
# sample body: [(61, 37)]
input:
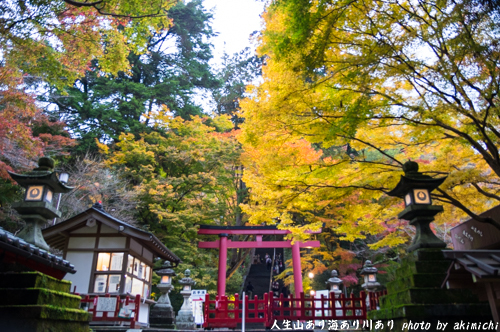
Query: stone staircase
[(35, 302), (259, 275)]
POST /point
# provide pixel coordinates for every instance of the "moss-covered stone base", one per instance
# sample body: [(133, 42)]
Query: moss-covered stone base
[(44, 312), (426, 311), (32, 302), (35, 325), (416, 297), (33, 280), (39, 296)]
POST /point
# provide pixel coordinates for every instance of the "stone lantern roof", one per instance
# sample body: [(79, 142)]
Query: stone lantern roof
[(414, 179), (44, 174), (165, 269)]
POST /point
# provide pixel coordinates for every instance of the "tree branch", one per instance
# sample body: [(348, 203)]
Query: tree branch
[(102, 12), (233, 269), (474, 216), (485, 193), (83, 4)]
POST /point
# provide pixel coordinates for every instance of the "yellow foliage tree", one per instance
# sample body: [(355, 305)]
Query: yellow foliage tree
[(184, 173), (351, 91)]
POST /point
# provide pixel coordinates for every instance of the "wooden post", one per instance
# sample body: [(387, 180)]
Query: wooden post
[(221, 281), (297, 269), (492, 300), (364, 309)]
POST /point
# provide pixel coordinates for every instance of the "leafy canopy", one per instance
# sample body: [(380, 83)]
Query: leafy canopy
[(53, 42), (354, 89), (56, 40), (175, 64), (184, 174)]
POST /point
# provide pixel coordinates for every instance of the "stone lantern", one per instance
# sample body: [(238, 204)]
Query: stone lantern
[(334, 287), (415, 188), (185, 317), (162, 314), (369, 274), (41, 184), (334, 283)]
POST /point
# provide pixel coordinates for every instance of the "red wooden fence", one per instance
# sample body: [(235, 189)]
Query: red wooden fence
[(323, 308), (374, 299), (117, 312), (223, 312)]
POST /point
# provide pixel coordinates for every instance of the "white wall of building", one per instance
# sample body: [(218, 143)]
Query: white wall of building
[(112, 242), (83, 267), (81, 243)]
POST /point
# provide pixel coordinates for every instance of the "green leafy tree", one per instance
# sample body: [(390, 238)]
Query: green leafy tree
[(54, 41), (236, 72), (184, 174), (174, 66)]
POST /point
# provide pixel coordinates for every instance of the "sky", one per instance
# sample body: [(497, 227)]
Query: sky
[(234, 20)]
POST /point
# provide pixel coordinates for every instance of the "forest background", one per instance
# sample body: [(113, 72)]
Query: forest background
[(348, 91)]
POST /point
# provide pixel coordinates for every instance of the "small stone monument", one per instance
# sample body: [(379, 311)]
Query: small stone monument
[(369, 274), (162, 314), (334, 283), (185, 317)]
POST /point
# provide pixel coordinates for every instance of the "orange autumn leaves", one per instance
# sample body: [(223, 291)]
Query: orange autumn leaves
[(49, 44), (25, 133)]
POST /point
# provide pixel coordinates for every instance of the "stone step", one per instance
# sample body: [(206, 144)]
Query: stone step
[(428, 311), (34, 325), (43, 312), (416, 267), (425, 280), (427, 254), (259, 275), (33, 280), (38, 296), (427, 296)]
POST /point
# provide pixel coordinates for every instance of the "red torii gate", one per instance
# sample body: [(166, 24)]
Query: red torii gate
[(223, 243)]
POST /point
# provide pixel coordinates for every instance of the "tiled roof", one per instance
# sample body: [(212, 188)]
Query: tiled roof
[(53, 234), (11, 243), (152, 238)]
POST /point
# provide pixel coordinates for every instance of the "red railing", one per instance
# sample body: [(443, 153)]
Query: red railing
[(374, 299), (226, 313), (223, 312), (256, 311), (311, 309), (109, 308)]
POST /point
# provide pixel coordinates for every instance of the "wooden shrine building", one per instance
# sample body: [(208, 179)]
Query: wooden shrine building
[(476, 260), (109, 255)]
